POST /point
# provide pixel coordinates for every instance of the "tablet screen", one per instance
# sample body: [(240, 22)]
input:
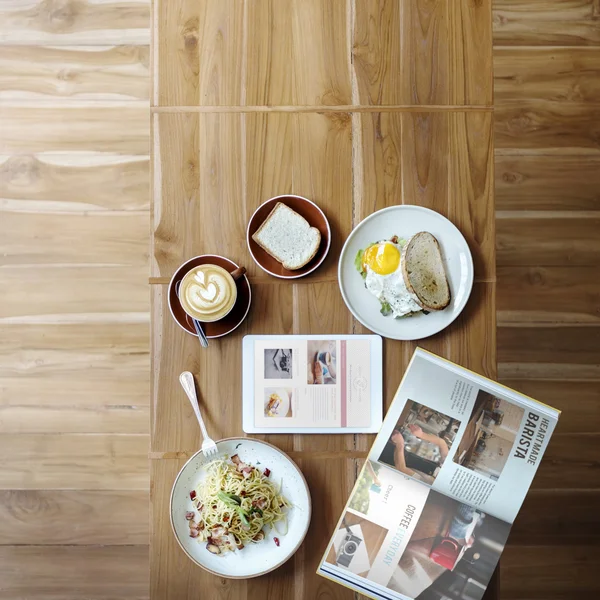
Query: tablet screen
[(311, 382)]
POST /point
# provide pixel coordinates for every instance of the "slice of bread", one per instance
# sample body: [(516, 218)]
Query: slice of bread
[(423, 271), (288, 237)]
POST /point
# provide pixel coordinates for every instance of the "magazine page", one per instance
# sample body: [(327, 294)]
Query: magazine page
[(312, 383), (464, 435), (401, 539)]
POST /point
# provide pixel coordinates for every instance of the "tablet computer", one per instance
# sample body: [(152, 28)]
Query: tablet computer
[(312, 383)]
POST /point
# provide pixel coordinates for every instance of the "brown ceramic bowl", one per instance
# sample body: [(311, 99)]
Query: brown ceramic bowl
[(228, 323), (312, 213)]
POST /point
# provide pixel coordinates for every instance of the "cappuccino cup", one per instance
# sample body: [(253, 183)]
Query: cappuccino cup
[(208, 292)]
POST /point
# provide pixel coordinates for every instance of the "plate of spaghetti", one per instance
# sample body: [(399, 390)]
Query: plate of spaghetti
[(242, 513)]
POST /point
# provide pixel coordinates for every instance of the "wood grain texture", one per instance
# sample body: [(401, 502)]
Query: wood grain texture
[(117, 518), (470, 41), (76, 294), (542, 23), (74, 22), (68, 461), (560, 351), (542, 520), (546, 63), (561, 239), (74, 393), (59, 572), (425, 38), (37, 73), (543, 125), (546, 182), (92, 367), (73, 183), (564, 75), (31, 241), (425, 158), (471, 186), (81, 129), (565, 572), (377, 51), (536, 294)]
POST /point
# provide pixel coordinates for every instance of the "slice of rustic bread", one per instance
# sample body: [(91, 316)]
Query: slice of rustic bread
[(288, 237), (423, 271)]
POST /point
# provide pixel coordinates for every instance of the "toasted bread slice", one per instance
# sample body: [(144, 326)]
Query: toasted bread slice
[(423, 271), (288, 237)]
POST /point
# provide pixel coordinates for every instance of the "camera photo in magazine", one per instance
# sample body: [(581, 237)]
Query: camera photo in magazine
[(420, 442), (452, 552), (490, 435), (356, 544)]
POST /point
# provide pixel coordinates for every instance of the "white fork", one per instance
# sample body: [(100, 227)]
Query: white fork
[(209, 448)]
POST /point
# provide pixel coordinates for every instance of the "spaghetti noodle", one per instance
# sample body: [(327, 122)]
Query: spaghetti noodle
[(236, 502)]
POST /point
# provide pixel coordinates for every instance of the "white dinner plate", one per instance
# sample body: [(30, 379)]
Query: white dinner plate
[(254, 559), (404, 221)]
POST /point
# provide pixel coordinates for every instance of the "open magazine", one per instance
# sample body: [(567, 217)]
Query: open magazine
[(433, 505)]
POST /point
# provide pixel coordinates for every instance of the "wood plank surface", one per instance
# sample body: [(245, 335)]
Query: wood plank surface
[(59, 572), (73, 183), (69, 461), (563, 573), (550, 240), (537, 294), (74, 23), (36, 73), (543, 23), (47, 518), (84, 366), (546, 182)]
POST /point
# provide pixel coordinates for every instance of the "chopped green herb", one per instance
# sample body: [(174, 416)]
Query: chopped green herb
[(358, 262), (386, 309)]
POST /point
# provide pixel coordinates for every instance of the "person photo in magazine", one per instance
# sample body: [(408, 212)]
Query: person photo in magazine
[(420, 442)]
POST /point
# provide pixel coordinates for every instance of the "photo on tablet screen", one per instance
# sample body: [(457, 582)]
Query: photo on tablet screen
[(278, 363), (278, 402), (322, 362)]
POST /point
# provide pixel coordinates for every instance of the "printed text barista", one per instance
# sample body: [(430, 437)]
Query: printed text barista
[(529, 439)]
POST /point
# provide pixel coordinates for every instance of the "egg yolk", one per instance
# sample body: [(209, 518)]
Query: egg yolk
[(382, 258)]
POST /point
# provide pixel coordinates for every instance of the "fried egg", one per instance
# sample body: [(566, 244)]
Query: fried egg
[(381, 262)]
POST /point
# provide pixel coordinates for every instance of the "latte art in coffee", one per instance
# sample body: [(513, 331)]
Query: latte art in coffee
[(208, 293)]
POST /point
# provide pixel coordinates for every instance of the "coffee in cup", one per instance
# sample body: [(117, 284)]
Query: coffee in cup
[(208, 292)]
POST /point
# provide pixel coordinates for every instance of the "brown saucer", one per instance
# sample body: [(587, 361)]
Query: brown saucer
[(217, 328), (311, 212)]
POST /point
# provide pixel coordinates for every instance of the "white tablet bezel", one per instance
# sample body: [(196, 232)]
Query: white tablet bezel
[(248, 356)]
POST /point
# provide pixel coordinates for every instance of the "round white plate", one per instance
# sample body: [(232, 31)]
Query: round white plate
[(284, 407), (404, 221), (254, 559)]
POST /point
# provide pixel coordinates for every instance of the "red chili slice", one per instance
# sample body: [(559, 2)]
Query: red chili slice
[(276, 540), (193, 494), (267, 472)]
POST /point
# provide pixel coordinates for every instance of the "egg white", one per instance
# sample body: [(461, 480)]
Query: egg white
[(392, 289)]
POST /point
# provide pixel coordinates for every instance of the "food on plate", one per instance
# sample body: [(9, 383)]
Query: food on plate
[(423, 271), (234, 505), (288, 237), (273, 405), (406, 277)]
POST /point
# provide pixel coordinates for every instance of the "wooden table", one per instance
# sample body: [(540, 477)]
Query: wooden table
[(358, 105)]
